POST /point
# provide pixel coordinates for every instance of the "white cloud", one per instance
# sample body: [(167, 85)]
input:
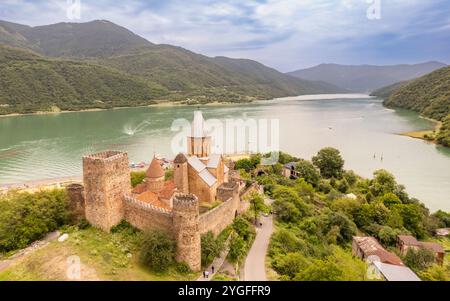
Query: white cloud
[(281, 33)]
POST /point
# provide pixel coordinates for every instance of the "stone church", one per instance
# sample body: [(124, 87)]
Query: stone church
[(172, 206), (197, 172)]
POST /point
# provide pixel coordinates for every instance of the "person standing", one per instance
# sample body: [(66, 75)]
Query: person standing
[(212, 269)]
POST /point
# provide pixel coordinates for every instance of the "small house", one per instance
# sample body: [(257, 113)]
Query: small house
[(406, 242)]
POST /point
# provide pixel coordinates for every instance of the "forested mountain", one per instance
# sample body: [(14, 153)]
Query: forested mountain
[(365, 78), (30, 83), (168, 72), (428, 95)]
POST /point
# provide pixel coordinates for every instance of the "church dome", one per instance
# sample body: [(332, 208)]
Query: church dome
[(180, 158), (155, 170)]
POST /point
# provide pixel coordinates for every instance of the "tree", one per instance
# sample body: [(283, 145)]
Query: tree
[(320, 270), (284, 241), (256, 204), (210, 247), (290, 264), (341, 225), (158, 251), (382, 183), (420, 259), (329, 162), (389, 200), (27, 217), (237, 248), (413, 219), (307, 171)]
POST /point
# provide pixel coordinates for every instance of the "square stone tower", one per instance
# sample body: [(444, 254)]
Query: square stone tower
[(106, 179)]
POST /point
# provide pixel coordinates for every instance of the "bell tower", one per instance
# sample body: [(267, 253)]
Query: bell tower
[(199, 144)]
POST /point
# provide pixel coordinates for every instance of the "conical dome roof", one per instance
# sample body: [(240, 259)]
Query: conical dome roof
[(155, 170)]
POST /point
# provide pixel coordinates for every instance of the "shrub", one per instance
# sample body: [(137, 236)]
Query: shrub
[(27, 217), (158, 251), (183, 268), (137, 177), (420, 259), (210, 248)]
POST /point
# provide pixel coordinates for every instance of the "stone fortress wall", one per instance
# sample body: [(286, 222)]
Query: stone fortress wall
[(108, 200)]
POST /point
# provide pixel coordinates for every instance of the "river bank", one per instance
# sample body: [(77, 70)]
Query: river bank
[(428, 135), (159, 103)]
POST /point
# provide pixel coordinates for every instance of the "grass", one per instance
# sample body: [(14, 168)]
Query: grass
[(103, 256)]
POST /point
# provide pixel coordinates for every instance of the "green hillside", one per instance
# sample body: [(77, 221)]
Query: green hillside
[(385, 92), (173, 73), (428, 95), (188, 74), (31, 83)]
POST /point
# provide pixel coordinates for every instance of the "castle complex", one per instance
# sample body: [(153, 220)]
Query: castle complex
[(172, 205)]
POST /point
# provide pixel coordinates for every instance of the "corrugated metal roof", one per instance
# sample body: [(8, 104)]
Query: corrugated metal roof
[(213, 161), (195, 162), (395, 273), (207, 177)]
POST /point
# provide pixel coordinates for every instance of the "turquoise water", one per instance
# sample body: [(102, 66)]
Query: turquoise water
[(36, 147)]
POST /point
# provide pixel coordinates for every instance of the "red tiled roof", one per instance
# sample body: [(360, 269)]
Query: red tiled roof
[(153, 199), (371, 247), (140, 188), (408, 240), (155, 170), (168, 190), (432, 246)]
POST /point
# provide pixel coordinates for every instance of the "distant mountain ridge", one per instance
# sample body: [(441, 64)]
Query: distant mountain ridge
[(365, 78), (182, 74)]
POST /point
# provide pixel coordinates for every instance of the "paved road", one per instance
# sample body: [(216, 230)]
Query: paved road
[(255, 264)]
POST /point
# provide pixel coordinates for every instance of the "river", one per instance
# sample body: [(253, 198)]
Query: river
[(36, 147)]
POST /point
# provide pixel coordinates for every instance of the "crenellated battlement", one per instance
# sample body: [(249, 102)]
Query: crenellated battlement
[(129, 200), (185, 202), (106, 156)]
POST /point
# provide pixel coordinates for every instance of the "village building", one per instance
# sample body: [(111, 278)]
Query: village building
[(369, 249), (289, 170), (442, 232), (391, 272), (406, 242)]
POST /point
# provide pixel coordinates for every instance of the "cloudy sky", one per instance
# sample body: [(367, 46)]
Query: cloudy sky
[(284, 34)]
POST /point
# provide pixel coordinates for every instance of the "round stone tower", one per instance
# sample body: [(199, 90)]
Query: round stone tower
[(180, 173), (154, 177), (186, 228)]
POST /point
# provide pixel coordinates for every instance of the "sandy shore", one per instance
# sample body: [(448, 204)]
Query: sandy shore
[(422, 134)]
